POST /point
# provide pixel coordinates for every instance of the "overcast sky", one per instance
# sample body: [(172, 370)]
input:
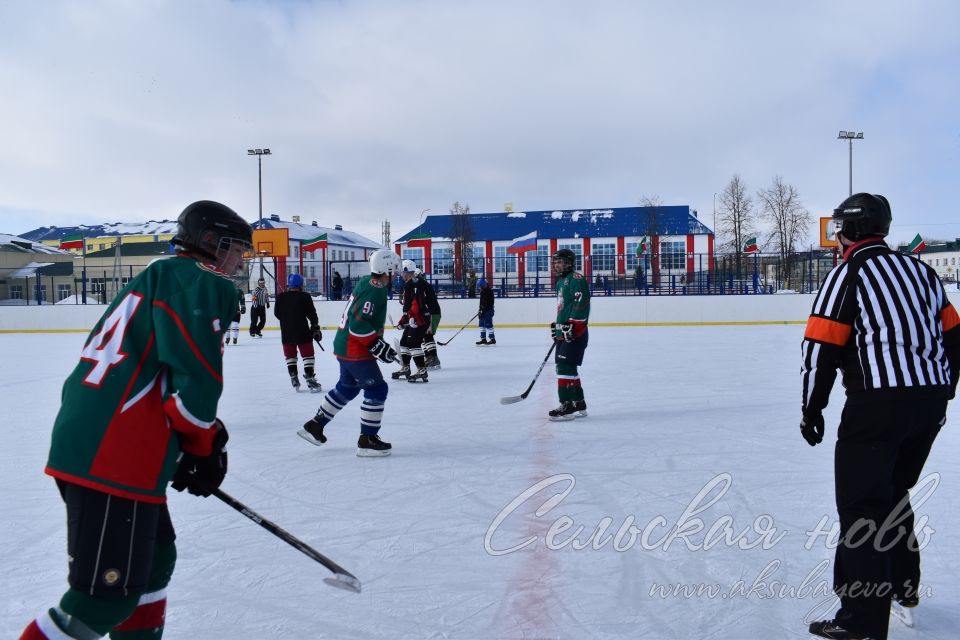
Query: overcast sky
[(128, 110)]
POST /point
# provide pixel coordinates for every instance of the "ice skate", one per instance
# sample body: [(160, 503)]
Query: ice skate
[(830, 629), (295, 381), (313, 385), (312, 431), (234, 341), (482, 341), (566, 411), (432, 363), (419, 376), (372, 447), (581, 409), (404, 372), (902, 610), (492, 341)]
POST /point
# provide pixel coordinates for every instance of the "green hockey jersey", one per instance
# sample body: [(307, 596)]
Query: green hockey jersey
[(148, 382), (573, 302), (362, 321)]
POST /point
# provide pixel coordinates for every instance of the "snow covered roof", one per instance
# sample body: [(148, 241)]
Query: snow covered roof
[(19, 243), (148, 228), (28, 270), (569, 223), (301, 231)]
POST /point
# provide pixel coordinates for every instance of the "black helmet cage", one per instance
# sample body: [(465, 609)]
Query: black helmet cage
[(212, 230), (863, 215)]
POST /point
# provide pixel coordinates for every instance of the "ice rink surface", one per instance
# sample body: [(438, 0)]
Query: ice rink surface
[(468, 530)]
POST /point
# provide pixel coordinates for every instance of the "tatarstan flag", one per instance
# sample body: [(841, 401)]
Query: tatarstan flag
[(917, 245), (750, 246), (643, 246), (320, 242), (72, 242)]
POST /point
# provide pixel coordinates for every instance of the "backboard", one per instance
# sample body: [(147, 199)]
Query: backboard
[(273, 243)]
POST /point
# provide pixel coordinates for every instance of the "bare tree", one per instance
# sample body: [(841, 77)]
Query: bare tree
[(651, 227), (780, 205), (736, 220), (462, 240)]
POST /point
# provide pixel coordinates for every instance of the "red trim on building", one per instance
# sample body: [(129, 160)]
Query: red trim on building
[(655, 260), (710, 253), (621, 256), (521, 267), (489, 261), (553, 276), (587, 261), (690, 265)]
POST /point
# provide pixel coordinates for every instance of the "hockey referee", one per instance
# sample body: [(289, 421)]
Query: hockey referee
[(883, 319)]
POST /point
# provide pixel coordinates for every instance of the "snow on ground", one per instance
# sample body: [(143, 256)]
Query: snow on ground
[(674, 412)]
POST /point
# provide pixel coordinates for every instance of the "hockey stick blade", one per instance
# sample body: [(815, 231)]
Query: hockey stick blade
[(345, 582), (443, 344), (523, 396), (342, 579)]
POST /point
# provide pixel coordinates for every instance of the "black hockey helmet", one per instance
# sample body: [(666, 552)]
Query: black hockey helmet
[(564, 260), (209, 228), (863, 215)]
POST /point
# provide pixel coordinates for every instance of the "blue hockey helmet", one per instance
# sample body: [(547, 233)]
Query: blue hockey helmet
[(295, 280), (482, 282)]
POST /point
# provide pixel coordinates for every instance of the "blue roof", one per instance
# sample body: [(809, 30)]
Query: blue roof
[(572, 223)]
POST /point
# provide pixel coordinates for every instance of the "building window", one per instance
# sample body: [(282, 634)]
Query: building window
[(672, 254), (16, 292), (631, 255), (41, 292), (63, 291), (97, 285), (414, 253), (577, 249), (539, 260), (603, 256), (443, 261), (503, 262)]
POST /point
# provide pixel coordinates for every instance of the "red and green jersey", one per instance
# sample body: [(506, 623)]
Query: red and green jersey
[(148, 382), (362, 321), (573, 302)]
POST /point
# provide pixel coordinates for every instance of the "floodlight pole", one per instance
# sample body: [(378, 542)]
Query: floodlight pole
[(259, 153), (850, 136)]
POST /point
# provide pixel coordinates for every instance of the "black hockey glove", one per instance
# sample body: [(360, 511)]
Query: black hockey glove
[(562, 331), (200, 475), (811, 428), (383, 351), (243, 310), (317, 334)]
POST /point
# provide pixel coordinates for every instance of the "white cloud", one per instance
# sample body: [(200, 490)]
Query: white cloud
[(377, 110)]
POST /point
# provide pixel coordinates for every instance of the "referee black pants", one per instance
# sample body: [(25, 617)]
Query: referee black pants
[(882, 445)]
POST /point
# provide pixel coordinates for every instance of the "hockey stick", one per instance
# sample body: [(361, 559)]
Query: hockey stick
[(443, 344), (523, 396), (342, 579)]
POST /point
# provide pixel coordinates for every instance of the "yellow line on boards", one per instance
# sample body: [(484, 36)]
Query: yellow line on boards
[(720, 323)]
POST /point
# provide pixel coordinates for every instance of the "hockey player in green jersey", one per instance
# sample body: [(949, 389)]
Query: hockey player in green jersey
[(570, 332), (139, 410), (358, 345), (234, 329)]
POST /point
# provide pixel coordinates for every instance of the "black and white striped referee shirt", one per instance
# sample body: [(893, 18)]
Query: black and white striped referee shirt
[(884, 319)]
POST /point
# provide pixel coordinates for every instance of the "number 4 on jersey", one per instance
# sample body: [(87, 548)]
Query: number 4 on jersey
[(103, 349)]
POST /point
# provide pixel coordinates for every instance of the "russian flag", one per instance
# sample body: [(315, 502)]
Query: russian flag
[(523, 243)]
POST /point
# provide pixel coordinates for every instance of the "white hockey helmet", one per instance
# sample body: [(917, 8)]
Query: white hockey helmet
[(409, 266), (384, 261)]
